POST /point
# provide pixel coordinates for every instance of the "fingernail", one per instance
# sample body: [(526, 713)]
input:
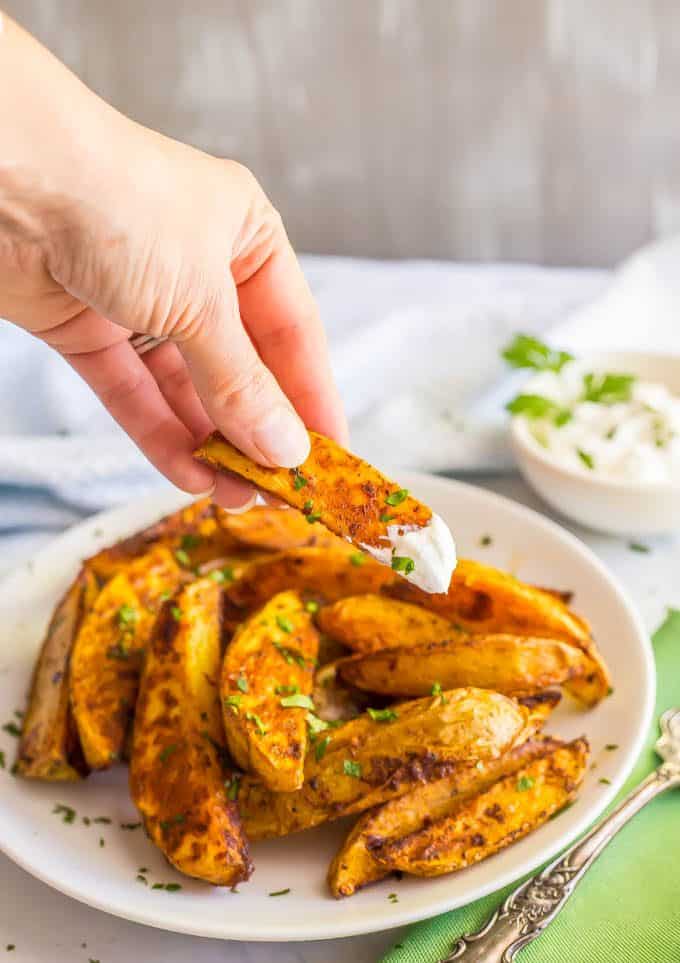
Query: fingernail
[(241, 509), (282, 438)]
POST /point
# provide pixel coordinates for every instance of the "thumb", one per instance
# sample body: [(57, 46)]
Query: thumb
[(239, 392)]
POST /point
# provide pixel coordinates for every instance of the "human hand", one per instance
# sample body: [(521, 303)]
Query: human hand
[(115, 230)]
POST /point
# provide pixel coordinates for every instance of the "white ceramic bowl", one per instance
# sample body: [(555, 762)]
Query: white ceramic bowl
[(606, 505)]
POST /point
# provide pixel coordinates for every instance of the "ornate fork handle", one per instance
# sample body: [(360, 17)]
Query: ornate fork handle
[(533, 905)]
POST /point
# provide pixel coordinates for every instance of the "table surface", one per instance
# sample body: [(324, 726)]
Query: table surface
[(46, 926)]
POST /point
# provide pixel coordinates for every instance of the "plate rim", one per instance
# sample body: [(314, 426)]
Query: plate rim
[(347, 928)]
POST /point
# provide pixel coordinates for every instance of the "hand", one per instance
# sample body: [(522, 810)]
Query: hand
[(115, 230)]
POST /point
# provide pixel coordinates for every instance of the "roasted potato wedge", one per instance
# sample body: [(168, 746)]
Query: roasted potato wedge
[(177, 780), (49, 747), (510, 664), (369, 623), (354, 865), (366, 761), (508, 810), (275, 529), (107, 654), (484, 599), (319, 574), (332, 486), (267, 680)]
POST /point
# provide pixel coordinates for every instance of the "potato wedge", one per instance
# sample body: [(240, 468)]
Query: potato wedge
[(354, 865), (275, 529), (49, 747), (484, 599), (318, 574), (107, 654), (365, 761), (177, 780), (510, 664), (510, 809), (369, 623), (267, 677)]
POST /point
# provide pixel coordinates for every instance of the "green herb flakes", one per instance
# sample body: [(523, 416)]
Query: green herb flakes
[(260, 727), (527, 352), (315, 724), (127, 616), (357, 559), (382, 715), (166, 752), (320, 748), (639, 547), (130, 826), (524, 783), (183, 558), (67, 813), (2, 759), (12, 729), (605, 781), (287, 690), (233, 702), (402, 563), (297, 701), (351, 768), (485, 541), (285, 624), (142, 879), (190, 541), (242, 683), (280, 892), (436, 689), (608, 389), (174, 821), (611, 746), (176, 613), (386, 518), (232, 786), (299, 480), (396, 498), (587, 459), (312, 607)]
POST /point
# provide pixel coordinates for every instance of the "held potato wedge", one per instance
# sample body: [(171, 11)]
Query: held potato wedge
[(368, 760), (507, 663), (107, 654), (510, 809), (49, 748), (318, 574), (267, 680), (483, 599), (275, 529), (177, 779), (355, 865), (355, 501), (369, 623)]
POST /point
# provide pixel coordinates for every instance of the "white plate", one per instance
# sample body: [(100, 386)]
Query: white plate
[(70, 858)]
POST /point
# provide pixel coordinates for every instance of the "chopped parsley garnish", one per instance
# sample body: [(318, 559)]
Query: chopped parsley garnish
[(386, 517), (165, 753), (290, 655), (320, 748), (531, 406), (174, 821), (2, 759), (260, 727), (587, 459), (190, 541), (527, 352), (86, 820), (102, 819), (130, 826), (12, 729), (639, 547), (436, 689), (312, 517), (285, 624), (127, 616), (164, 596), (299, 480), (220, 575), (486, 540), (351, 768), (242, 683), (142, 879), (402, 563), (382, 715), (358, 559), (297, 701), (118, 651), (525, 783), (12, 946), (611, 433), (611, 746), (182, 557), (280, 892), (287, 689), (396, 498), (232, 787), (316, 725), (608, 389), (311, 606), (176, 613), (393, 898), (67, 813), (605, 781), (101, 842), (233, 702), (168, 887)]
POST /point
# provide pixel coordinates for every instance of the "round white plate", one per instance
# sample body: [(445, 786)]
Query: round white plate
[(69, 856)]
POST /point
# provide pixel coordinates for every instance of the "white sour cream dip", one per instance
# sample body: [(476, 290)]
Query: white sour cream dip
[(633, 440), (430, 547)]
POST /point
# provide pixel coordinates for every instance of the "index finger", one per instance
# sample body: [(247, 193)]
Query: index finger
[(282, 320)]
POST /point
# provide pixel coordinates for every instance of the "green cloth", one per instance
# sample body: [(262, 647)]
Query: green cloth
[(627, 907)]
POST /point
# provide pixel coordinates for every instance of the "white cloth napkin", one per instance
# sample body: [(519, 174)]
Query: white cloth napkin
[(415, 348)]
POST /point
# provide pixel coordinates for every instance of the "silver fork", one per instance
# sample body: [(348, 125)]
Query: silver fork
[(534, 905)]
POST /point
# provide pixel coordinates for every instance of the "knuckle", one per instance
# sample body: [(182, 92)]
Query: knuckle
[(243, 389)]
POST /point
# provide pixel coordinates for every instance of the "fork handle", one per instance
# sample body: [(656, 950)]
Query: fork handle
[(530, 908)]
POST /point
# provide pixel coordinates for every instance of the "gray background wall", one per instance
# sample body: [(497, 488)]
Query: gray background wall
[(543, 130)]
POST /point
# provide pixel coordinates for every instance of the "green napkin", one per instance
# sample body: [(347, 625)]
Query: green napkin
[(627, 907)]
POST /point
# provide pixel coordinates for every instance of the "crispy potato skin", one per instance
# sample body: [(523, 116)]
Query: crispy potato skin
[(508, 810), (428, 738), (275, 649), (483, 599), (276, 529), (320, 574), (107, 654), (354, 865), (49, 748), (369, 623), (509, 664), (176, 776), (347, 494)]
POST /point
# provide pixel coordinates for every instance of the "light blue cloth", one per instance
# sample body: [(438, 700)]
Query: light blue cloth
[(412, 343)]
